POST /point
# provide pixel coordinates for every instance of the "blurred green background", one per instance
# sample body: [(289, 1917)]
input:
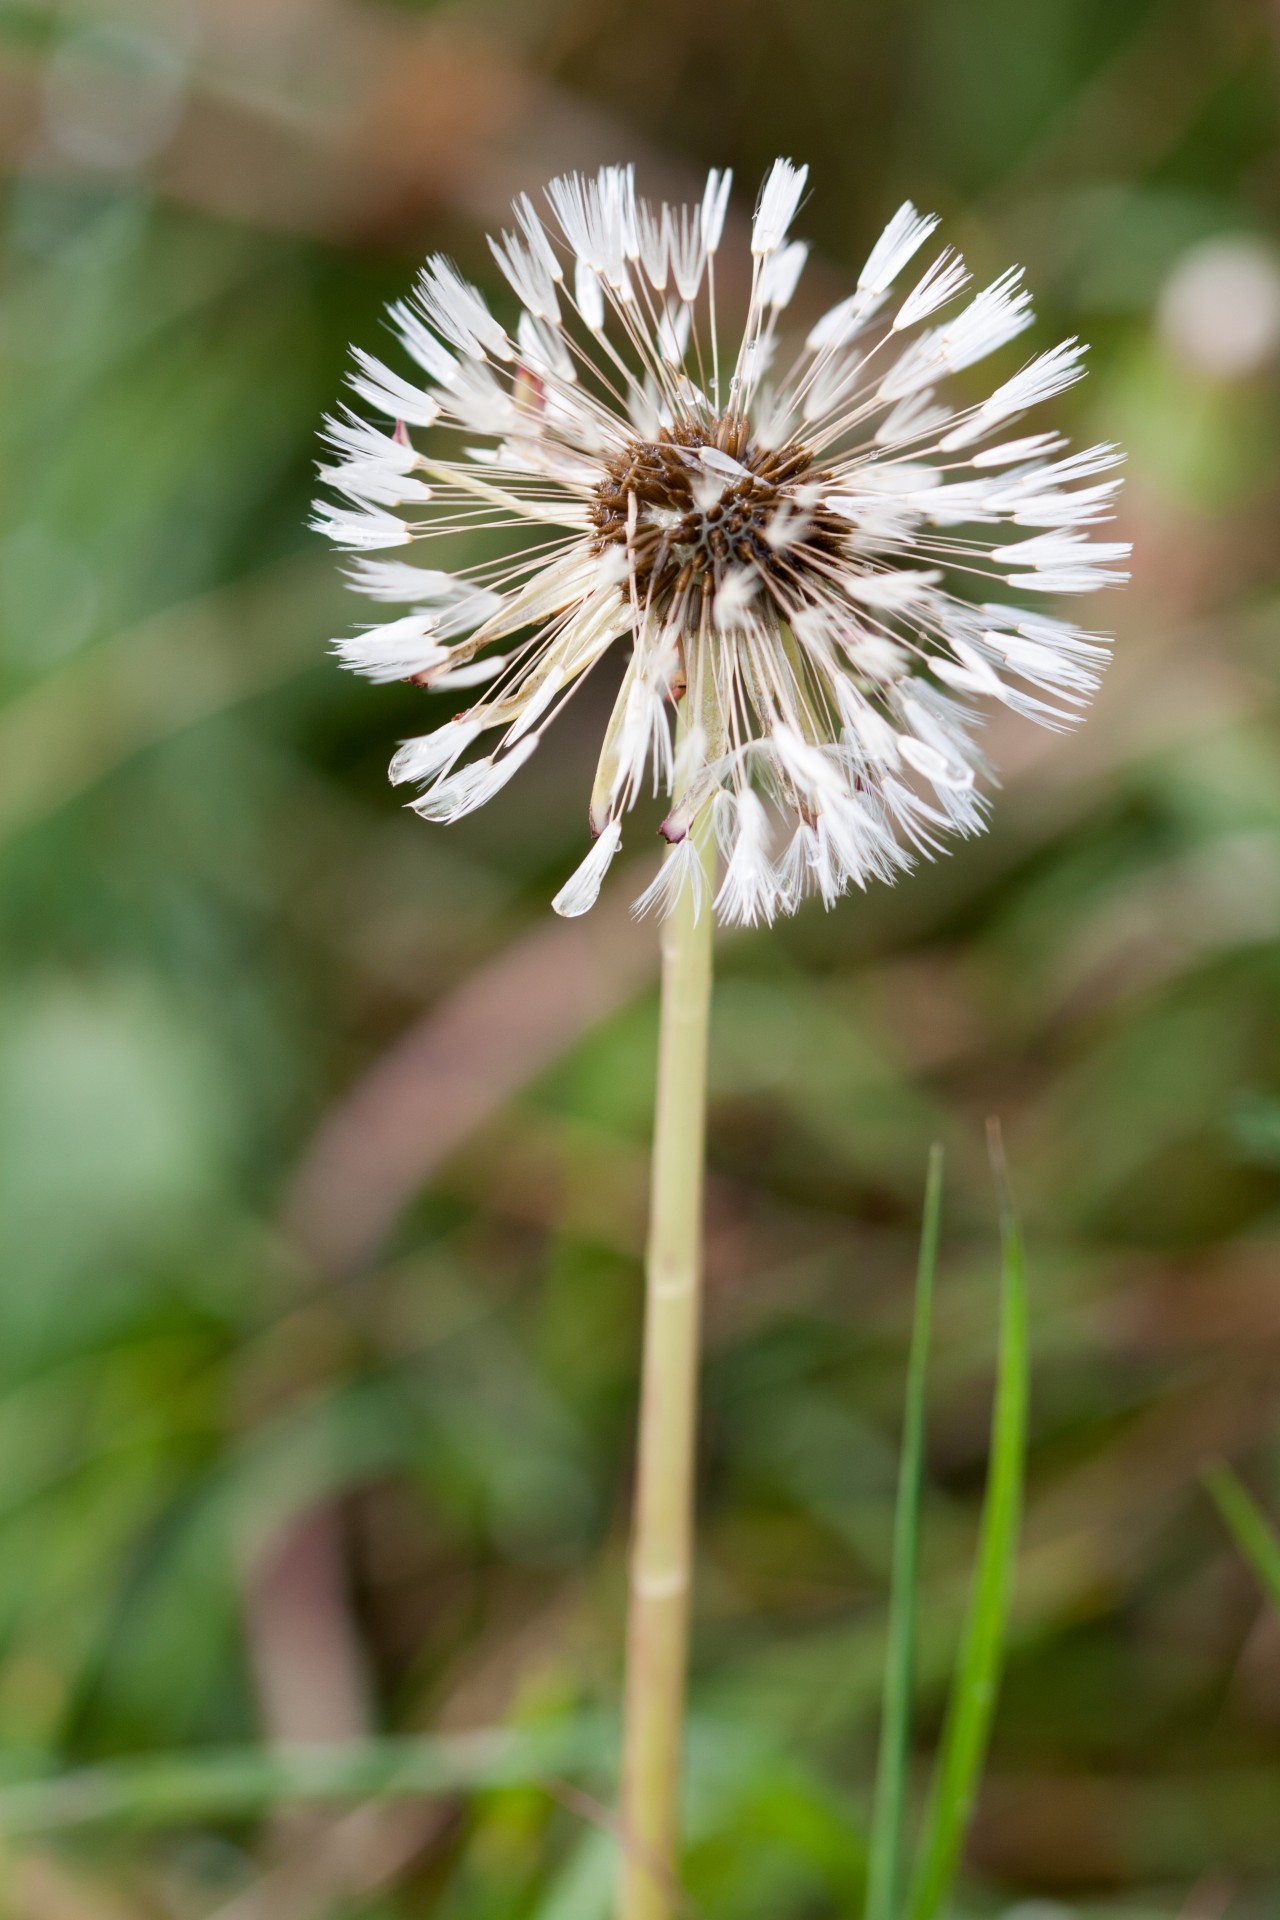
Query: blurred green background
[(322, 1144)]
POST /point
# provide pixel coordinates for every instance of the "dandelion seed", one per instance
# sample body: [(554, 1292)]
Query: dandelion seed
[(779, 199), (794, 563), (582, 889)]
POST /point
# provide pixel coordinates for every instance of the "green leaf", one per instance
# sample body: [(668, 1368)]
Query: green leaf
[(884, 1873), (1253, 1532), (977, 1675)]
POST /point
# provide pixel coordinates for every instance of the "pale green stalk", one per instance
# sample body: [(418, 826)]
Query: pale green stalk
[(662, 1540)]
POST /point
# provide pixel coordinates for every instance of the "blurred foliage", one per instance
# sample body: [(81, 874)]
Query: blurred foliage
[(252, 1492)]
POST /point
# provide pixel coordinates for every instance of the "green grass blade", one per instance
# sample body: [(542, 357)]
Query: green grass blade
[(884, 1872), (238, 1782), (1253, 1532), (977, 1675)]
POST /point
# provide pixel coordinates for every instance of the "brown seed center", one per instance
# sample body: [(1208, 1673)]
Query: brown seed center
[(694, 519)]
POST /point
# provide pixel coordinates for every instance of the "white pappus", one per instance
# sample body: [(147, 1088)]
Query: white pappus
[(809, 568)]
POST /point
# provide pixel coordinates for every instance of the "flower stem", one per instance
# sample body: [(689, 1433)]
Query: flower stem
[(662, 1541)]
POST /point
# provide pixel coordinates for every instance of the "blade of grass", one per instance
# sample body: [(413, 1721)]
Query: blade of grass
[(884, 1873), (1250, 1527), (974, 1686), (169, 1789)]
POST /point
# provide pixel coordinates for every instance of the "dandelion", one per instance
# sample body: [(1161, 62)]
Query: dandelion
[(819, 570)]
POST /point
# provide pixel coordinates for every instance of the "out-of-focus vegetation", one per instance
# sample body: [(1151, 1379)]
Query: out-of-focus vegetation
[(322, 1145)]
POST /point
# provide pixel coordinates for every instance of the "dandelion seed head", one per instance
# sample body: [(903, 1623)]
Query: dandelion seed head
[(807, 560)]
